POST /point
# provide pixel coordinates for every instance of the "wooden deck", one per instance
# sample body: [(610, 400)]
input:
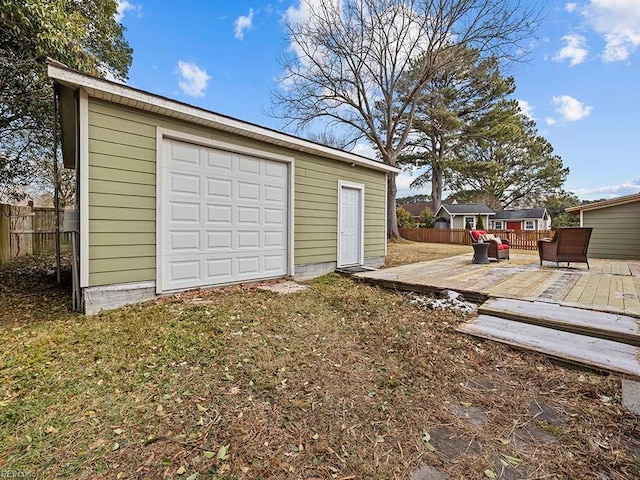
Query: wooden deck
[(609, 286)]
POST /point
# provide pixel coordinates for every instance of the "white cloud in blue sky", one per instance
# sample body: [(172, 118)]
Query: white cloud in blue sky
[(243, 23), (610, 191), (571, 7), (194, 80), (527, 109), (570, 109), (575, 50), (123, 7), (616, 21)]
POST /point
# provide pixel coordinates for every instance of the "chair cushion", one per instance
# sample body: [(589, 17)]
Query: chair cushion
[(487, 237), (476, 234), (502, 246)]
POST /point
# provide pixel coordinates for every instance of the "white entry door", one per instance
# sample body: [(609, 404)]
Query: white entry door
[(224, 217), (350, 226)]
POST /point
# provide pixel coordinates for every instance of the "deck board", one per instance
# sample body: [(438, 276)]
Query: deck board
[(522, 276), (593, 352), (604, 325)]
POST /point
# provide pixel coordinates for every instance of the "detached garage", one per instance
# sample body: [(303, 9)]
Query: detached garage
[(173, 197), (616, 227)]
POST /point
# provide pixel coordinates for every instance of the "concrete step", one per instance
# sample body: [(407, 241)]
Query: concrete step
[(591, 323)]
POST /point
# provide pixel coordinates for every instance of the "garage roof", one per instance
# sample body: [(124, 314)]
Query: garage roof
[(133, 97), (605, 203)]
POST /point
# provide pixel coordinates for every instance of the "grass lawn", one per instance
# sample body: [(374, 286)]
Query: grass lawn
[(341, 381), (401, 252)]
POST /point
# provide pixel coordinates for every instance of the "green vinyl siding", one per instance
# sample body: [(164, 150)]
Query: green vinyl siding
[(616, 231), (122, 190)]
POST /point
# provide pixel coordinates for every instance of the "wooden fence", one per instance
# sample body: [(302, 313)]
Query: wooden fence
[(30, 231), (521, 239)]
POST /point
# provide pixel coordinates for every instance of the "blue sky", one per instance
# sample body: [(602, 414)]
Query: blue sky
[(581, 83)]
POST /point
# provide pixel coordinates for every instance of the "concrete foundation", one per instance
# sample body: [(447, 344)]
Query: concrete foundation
[(114, 296), (307, 272)]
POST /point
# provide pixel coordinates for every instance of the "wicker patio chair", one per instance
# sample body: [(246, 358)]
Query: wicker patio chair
[(569, 244), (498, 249)]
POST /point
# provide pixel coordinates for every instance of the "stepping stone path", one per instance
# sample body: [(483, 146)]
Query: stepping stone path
[(428, 473), (533, 432)]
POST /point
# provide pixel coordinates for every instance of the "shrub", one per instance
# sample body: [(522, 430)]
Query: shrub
[(479, 223), (405, 220), (565, 220), (426, 218)]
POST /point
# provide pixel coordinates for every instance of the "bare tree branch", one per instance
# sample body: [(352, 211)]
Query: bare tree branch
[(347, 60)]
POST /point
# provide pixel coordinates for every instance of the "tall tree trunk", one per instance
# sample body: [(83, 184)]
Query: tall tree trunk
[(392, 219), (436, 185)]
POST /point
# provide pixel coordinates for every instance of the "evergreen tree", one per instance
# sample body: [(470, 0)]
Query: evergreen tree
[(461, 103), (514, 166)]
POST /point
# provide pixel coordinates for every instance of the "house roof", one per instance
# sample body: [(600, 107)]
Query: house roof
[(605, 203), (466, 209), (527, 213), (140, 99), (416, 208)]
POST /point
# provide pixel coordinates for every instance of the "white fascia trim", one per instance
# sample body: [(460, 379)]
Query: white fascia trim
[(386, 213), (159, 208), (164, 134), (292, 217), (174, 108), (83, 100), (357, 186)]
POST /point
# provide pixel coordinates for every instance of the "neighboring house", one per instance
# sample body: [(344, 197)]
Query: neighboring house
[(616, 227), (416, 208), (175, 197), (459, 214), (527, 219)]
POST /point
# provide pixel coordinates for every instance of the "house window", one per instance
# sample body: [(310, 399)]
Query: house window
[(498, 225), (529, 225), (470, 221)]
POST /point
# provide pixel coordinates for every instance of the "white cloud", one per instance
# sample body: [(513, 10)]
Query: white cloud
[(575, 50), (570, 109), (243, 22), (550, 121), (610, 191), (194, 80), (618, 21), (403, 184), (365, 149), (124, 6), (571, 7), (526, 108)]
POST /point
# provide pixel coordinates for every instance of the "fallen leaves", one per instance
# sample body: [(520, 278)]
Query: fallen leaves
[(426, 441)]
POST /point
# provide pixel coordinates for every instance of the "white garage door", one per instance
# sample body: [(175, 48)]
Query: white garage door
[(224, 217)]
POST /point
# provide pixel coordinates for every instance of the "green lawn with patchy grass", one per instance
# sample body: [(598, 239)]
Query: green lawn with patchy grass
[(341, 381)]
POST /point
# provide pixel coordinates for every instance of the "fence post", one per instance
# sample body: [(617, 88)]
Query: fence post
[(5, 236)]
